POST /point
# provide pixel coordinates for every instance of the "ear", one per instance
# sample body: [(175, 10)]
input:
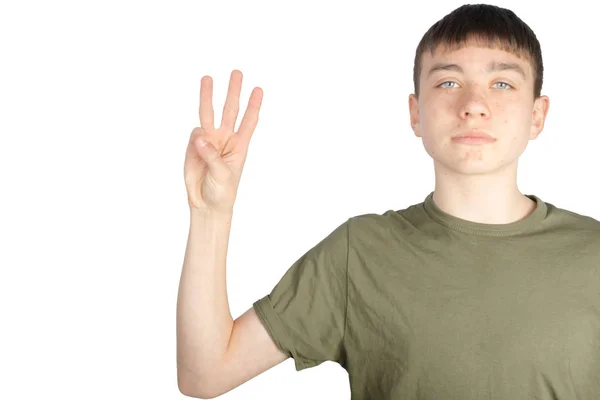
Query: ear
[(413, 109), (540, 111)]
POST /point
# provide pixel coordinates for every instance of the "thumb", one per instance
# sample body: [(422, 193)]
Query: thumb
[(211, 156)]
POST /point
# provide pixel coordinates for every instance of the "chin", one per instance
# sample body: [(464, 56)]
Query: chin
[(471, 167)]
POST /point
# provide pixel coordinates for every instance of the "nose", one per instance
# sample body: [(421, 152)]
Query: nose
[(474, 105)]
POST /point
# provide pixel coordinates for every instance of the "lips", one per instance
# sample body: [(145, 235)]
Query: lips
[(473, 137), (474, 134)]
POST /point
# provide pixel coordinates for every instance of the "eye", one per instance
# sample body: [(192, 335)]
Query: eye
[(503, 83), (446, 87)]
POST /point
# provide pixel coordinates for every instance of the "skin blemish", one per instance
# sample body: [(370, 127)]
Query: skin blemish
[(473, 155)]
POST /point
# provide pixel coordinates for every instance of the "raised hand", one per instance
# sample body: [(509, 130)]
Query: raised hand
[(212, 172)]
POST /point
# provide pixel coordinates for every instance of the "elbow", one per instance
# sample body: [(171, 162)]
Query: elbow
[(193, 391), (192, 387)]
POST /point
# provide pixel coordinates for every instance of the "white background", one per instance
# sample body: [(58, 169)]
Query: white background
[(97, 102)]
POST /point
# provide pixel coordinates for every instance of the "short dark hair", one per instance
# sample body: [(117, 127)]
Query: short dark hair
[(492, 26)]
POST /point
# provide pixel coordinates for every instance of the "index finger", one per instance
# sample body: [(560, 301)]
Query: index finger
[(207, 114)]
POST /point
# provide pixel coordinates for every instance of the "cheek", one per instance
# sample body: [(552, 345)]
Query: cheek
[(511, 116), (432, 114), (438, 112), (510, 107), (515, 117)]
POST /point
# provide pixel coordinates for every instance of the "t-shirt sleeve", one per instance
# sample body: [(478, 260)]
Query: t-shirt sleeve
[(305, 313)]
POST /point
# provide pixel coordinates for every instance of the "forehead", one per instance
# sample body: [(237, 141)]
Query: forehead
[(475, 54)]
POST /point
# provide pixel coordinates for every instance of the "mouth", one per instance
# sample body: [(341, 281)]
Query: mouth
[(473, 137), (474, 134)]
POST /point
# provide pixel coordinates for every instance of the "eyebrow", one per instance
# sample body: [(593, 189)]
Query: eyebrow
[(493, 66)]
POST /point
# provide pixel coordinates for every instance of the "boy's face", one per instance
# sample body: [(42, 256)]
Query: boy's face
[(470, 96)]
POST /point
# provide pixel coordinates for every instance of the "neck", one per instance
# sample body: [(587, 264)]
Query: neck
[(491, 198)]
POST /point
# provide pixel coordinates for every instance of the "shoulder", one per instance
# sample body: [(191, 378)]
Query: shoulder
[(572, 220), (384, 223), (573, 229)]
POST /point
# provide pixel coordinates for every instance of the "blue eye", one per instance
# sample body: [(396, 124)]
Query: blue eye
[(446, 87), (504, 83)]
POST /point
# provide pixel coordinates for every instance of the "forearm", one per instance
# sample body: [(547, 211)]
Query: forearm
[(204, 321)]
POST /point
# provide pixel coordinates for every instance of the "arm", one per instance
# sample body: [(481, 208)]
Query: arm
[(204, 322), (251, 352), (214, 353)]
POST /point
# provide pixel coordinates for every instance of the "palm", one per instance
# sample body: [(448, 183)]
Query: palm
[(205, 187)]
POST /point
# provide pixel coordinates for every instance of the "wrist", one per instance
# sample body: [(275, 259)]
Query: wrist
[(210, 214)]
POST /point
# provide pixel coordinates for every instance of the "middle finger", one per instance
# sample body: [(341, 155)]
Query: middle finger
[(232, 103)]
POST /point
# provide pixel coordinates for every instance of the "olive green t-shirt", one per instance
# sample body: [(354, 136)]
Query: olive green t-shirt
[(418, 304)]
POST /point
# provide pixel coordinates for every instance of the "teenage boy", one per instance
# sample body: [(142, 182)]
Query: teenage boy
[(478, 292)]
